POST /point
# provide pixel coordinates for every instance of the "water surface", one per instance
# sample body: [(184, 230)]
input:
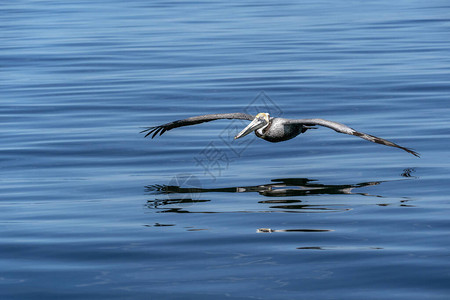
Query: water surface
[(92, 210)]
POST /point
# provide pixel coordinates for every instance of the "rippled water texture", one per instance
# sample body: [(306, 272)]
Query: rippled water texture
[(90, 209)]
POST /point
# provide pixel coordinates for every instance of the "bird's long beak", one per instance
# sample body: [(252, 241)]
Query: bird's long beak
[(254, 125)]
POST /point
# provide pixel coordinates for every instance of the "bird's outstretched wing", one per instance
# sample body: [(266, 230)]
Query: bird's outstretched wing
[(338, 127), (194, 120)]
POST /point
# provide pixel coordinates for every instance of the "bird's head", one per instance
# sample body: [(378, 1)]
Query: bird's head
[(260, 121)]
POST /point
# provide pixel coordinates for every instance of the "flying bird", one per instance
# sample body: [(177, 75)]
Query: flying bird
[(272, 129)]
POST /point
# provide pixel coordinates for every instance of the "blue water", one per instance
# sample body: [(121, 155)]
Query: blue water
[(89, 209)]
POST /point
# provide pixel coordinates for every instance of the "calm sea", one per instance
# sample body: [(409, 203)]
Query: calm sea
[(90, 209)]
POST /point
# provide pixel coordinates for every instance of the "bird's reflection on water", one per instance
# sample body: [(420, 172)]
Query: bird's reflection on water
[(288, 195), (179, 199), (278, 188)]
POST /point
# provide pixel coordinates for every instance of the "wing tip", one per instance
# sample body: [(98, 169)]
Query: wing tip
[(416, 154), (153, 130), (378, 140)]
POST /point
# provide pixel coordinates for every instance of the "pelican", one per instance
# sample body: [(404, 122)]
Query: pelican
[(272, 129)]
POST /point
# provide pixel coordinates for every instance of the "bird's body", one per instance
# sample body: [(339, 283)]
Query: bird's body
[(273, 129), (279, 130)]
